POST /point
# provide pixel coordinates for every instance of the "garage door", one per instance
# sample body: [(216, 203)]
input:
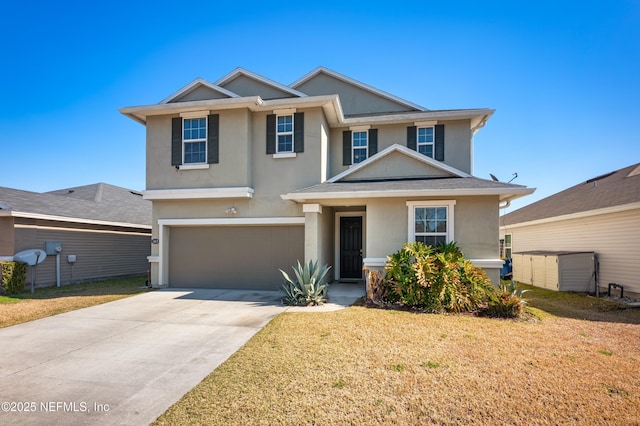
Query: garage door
[(246, 257)]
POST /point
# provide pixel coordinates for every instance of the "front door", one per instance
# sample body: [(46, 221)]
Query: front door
[(351, 247)]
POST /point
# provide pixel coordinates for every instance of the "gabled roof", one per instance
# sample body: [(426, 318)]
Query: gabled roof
[(185, 100), (194, 85), (356, 83), (615, 189), (98, 203), (380, 156), (390, 188), (257, 77), (450, 183)]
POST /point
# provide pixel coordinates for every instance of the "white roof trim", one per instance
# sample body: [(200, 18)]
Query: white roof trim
[(194, 84), (487, 263), (330, 103), (403, 150), (356, 83), (248, 221), (477, 116), (578, 215), (241, 71), (450, 193), (198, 193), (40, 216)]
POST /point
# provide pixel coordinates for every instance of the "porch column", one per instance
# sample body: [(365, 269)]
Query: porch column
[(312, 231)]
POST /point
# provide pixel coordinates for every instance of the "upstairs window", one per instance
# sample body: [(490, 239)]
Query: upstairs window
[(358, 144), (194, 140), (425, 141), (284, 133), (360, 147)]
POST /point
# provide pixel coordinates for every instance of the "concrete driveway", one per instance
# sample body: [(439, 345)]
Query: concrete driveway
[(127, 361)]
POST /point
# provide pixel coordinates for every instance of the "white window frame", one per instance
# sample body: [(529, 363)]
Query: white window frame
[(197, 140), (353, 147), (288, 133), (509, 246), (432, 143), (411, 224)]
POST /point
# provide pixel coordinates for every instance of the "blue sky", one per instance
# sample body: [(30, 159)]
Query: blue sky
[(563, 76)]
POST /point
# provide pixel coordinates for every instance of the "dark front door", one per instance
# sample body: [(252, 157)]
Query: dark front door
[(351, 247)]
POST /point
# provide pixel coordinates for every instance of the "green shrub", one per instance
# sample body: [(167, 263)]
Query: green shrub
[(307, 287), (505, 303), (13, 276), (435, 279)]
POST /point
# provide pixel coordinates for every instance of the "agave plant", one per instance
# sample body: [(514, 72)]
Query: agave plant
[(307, 286)]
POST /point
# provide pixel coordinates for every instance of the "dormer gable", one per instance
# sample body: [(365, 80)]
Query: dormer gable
[(247, 83), (398, 162), (199, 90), (357, 98)]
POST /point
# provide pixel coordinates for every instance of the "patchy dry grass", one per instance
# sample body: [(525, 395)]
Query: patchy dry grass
[(576, 362), (50, 301)]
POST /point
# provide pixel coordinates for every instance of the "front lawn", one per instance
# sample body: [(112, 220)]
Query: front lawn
[(48, 301), (574, 360)]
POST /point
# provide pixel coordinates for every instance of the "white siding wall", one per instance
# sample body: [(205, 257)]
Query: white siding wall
[(615, 237)]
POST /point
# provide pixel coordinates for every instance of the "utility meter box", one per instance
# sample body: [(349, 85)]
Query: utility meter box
[(71, 258), (52, 247)]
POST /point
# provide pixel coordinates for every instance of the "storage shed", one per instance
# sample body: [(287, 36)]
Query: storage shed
[(556, 270)]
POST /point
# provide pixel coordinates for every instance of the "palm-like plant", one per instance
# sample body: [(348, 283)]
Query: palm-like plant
[(307, 287)]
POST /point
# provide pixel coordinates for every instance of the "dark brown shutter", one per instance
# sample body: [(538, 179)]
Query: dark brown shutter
[(271, 134), (213, 143), (298, 132), (346, 148), (176, 141), (439, 142), (373, 142), (412, 137)]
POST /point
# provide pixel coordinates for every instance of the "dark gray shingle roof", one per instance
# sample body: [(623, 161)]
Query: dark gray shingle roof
[(444, 184), (93, 202), (613, 189)]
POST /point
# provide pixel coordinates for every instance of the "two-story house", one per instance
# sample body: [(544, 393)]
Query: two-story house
[(247, 175)]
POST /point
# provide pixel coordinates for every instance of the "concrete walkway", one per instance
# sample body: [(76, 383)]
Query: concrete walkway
[(127, 361)]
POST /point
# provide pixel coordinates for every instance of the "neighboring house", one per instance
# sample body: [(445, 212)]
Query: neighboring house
[(601, 215), (106, 228), (247, 175)]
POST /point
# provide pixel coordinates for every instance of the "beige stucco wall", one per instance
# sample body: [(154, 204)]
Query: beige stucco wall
[(246, 86), (235, 153), (475, 226), (397, 165), (614, 237), (353, 99), (457, 143)]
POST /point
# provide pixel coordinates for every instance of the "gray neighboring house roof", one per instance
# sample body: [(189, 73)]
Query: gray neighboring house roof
[(609, 190), (99, 202)]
